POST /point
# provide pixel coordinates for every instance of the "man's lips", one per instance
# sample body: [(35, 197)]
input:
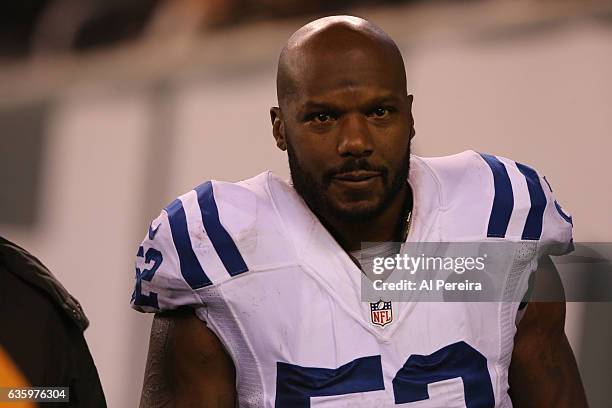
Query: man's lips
[(356, 176)]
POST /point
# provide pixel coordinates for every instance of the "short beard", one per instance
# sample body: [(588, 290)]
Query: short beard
[(314, 191)]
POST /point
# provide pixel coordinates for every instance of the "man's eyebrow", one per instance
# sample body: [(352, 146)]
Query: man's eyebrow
[(310, 106), (382, 100)]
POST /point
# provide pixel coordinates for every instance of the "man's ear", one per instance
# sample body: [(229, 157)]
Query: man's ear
[(278, 127), (412, 131)]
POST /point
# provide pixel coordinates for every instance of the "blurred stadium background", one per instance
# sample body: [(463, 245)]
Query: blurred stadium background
[(110, 109)]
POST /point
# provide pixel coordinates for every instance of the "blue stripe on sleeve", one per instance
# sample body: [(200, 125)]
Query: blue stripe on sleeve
[(190, 266), (218, 235), (503, 201), (533, 224)]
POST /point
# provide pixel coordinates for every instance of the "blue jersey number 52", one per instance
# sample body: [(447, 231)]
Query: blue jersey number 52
[(295, 384), (155, 258)]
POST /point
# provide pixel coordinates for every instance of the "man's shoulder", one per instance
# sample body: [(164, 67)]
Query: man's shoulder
[(514, 199), (228, 191), (233, 204), (476, 173), (215, 211), (457, 167), (217, 216), (205, 237), (452, 178)]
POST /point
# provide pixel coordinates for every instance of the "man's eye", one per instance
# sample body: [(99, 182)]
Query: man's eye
[(380, 112), (322, 117)]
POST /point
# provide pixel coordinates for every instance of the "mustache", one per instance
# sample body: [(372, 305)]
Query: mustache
[(353, 164)]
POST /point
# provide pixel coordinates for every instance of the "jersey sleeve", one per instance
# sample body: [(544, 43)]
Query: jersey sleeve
[(159, 283), (197, 243)]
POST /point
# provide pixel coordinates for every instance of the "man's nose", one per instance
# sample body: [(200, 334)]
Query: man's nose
[(355, 138)]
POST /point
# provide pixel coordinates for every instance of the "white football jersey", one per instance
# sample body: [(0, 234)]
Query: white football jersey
[(284, 298)]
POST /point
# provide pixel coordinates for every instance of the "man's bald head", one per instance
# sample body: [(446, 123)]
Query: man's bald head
[(334, 39)]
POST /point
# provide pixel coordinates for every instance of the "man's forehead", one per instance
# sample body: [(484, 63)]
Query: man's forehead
[(352, 70), (346, 99), (326, 92)]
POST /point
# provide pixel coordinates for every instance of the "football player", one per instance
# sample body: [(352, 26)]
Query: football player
[(256, 284)]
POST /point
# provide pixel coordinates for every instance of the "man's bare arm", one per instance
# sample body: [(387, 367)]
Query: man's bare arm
[(543, 372), (155, 390), (187, 365)]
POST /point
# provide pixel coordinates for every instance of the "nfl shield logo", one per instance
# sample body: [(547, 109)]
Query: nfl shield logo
[(381, 313)]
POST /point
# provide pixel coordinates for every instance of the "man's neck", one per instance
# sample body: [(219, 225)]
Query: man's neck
[(388, 226)]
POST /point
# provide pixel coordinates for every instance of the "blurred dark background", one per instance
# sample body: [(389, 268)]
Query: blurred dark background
[(33, 26)]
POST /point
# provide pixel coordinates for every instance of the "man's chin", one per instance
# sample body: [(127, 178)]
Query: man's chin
[(355, 212)]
